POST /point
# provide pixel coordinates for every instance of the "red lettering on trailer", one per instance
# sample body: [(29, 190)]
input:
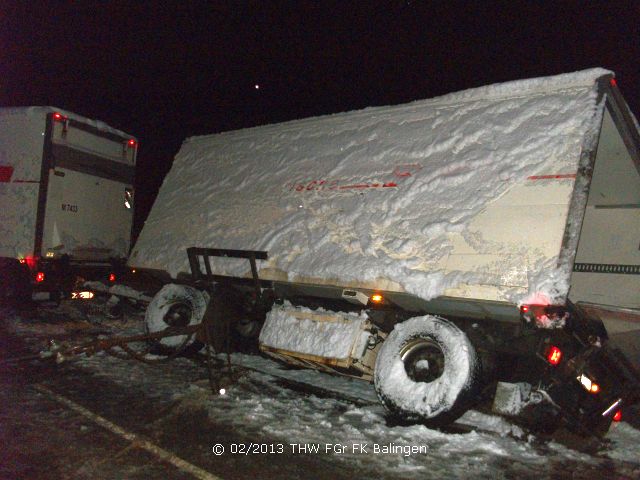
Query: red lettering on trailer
[(6, 172), (402, 172), (360, 186), (558, 176), (408, 170)]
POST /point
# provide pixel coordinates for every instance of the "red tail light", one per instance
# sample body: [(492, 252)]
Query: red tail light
[(58, 117), (554, 355), (618, 416), (544, 316), (40, 277), (112, 277), (31, 262)]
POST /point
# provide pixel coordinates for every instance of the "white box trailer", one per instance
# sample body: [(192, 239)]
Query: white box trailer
[(447, 249), (66, 195)]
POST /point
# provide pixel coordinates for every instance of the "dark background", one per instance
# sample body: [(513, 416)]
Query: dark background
[(163, 71)]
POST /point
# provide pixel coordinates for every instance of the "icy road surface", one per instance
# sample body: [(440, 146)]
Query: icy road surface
[(352, 439)]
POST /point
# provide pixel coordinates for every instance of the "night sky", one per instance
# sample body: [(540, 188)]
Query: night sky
[(164, 71)]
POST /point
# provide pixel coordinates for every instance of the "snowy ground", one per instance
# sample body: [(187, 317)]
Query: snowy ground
[(352, 438)]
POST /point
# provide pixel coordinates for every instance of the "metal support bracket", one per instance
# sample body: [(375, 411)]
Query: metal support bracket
[(199, 257)]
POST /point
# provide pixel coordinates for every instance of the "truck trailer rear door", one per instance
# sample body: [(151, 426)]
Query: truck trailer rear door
[(87, 212)]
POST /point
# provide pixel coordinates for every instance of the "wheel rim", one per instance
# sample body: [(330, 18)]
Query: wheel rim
[(423, 360), (178, 315)]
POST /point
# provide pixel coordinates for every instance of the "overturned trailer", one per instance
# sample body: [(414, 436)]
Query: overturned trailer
[(480, 245)]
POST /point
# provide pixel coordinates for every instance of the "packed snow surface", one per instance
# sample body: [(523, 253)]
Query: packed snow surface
[(427, 197), (258, 406)]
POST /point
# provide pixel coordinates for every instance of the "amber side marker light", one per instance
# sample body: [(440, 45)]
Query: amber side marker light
[(376, 298)]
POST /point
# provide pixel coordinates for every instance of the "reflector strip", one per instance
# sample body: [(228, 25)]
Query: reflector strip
[(612, 407), (607, 268)]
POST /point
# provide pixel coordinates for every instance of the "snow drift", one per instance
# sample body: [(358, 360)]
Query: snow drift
[(466, 194)]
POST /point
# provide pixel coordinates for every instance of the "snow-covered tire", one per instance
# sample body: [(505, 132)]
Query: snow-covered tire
[(175, 305), (426, 370)]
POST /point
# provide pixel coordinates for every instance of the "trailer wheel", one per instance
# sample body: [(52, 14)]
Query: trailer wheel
[(175, 306), (426, 370)]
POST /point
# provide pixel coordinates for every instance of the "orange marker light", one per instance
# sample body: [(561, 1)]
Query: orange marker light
[(376, 298), (595, 388)]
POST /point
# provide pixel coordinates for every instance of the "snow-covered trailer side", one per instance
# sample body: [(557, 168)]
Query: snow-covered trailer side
[(66, 194), (430, 247)]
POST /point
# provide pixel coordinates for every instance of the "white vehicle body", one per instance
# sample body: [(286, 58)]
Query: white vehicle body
[(475, 195), (498, 222), (63, 188)]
